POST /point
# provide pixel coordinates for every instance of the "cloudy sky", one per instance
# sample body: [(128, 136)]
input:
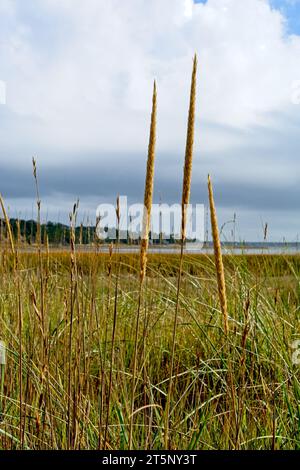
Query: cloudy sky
[(79, 77)]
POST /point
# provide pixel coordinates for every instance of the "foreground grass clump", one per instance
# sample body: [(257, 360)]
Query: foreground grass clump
[(66, 366)]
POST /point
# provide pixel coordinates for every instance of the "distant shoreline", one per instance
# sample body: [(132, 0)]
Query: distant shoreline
[(206, 249)]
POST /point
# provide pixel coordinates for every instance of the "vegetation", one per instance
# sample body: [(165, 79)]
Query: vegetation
[(65, 375), (146, 351)]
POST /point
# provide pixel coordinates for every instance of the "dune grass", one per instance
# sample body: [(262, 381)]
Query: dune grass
[(61, 412)]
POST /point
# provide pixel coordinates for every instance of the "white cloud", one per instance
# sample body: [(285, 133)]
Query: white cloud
[(188, 8), (79, 80), (94, 90)]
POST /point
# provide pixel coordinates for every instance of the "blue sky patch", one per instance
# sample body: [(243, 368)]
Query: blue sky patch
[(289, 8)]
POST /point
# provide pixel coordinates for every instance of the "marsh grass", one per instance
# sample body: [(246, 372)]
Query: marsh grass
[(264, 311)]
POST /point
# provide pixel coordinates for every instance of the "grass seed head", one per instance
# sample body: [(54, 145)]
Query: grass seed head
[(218, 256)]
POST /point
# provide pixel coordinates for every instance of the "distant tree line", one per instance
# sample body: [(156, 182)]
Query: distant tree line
[(59, 234)]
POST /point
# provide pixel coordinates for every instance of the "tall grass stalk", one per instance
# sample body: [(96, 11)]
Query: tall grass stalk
[(44, 398), (41, 270), (103, 356), (186, 188), (20, 319), (113, 338), (218, 257), (73, 294), (223, 302), (2, 375), (8, 226), (148, 194)]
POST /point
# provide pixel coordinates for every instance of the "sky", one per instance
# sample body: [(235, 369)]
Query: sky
[(78, 78), (290, 9)]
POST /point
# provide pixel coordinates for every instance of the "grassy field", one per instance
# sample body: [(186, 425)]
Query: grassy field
[(68, 321), (125, 351)]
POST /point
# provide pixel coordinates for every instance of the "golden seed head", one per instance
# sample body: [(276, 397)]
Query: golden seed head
[(218, 256), (187, 171), (148, 186)]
